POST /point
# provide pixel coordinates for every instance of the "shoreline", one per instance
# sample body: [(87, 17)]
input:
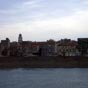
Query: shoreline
[(44, 62)]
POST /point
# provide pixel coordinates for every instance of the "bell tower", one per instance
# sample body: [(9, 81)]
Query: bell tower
[(20, 39)]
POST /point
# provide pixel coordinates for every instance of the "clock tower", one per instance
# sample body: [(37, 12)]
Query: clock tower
[(20, 39)]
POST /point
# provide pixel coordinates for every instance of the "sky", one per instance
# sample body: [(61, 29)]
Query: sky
[(40, 20)]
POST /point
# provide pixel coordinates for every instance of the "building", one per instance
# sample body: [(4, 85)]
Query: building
[(35, 48), (64, 47), (5, 47), (67, 47), (83, 46), (26, 48), (48, 48), (13, 48), (20, 38), (0, 50)]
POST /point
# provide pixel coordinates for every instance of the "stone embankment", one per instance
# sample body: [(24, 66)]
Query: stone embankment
[(44, 62)]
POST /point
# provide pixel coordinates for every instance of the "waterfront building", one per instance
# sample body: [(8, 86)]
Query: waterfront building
[(0, 49), (5, 47), (13, 48), (48, 48), (83, 46), (43, 49), (26, 48), (35, 48), (64, 47), (67, 47), (52, 47)]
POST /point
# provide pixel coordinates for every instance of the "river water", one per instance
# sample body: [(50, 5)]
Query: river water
[(44, 78)]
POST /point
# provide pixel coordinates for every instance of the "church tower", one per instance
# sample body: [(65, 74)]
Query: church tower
[(20, 39)]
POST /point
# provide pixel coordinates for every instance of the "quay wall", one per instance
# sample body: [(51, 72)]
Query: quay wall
[(44, 62)]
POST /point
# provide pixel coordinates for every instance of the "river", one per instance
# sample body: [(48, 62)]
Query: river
[(44, 78)]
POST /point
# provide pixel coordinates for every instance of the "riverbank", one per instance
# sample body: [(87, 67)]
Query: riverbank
[(44, 62)]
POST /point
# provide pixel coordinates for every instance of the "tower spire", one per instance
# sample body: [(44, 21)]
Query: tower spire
[(20, 38)]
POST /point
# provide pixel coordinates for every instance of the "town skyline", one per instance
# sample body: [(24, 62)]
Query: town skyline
[(38, 41)]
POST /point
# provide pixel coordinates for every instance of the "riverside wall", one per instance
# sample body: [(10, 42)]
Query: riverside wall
[(44, 62)]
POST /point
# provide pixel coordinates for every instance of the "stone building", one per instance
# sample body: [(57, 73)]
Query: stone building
[(5, 47), (48, 48), (26, 48), (35, 48), (13, 48), (67, 47)]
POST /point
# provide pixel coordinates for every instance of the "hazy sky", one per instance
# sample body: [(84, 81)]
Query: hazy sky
[(43, 19)]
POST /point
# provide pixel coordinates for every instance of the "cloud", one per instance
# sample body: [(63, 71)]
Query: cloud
[(72, 26), (33, 2), (24, 10), (85, 2)]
